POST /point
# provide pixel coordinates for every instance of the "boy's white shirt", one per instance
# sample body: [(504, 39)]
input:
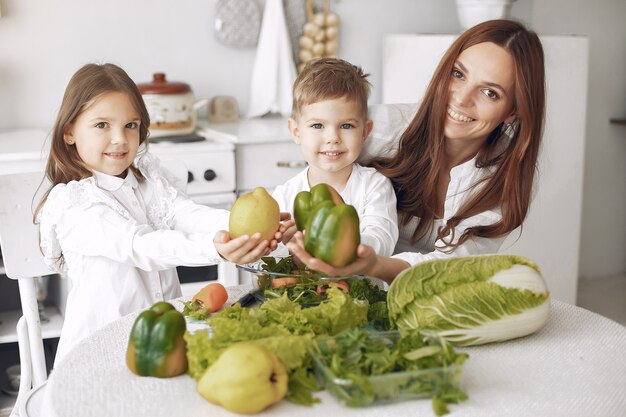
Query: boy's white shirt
[(121, 240), (371, 194)]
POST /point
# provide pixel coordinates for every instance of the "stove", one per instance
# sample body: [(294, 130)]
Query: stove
[(210, 168)]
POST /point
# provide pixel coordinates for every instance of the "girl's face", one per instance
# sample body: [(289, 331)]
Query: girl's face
[(331, 134), (106, 133), (481, 93)]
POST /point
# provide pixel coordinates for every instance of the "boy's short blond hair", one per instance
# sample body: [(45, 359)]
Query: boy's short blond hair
[(327, 79)]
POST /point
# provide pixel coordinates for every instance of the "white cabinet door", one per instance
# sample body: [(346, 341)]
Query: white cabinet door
[(267, 164), (551, 232)]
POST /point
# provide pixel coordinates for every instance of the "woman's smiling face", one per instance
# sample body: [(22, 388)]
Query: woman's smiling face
[(481, 93)]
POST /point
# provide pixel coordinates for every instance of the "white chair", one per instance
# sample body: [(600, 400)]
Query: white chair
[(23, 261)]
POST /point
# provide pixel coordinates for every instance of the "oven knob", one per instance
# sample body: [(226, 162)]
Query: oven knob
[(209, 175), (189, 176)]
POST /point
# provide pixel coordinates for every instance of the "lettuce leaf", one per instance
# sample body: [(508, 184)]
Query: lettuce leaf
[(282, 326)]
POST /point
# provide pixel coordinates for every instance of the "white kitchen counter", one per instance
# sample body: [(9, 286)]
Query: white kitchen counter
[(23, 150), (270, 129)]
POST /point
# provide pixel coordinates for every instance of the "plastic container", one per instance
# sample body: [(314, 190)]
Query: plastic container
[(384, 388)]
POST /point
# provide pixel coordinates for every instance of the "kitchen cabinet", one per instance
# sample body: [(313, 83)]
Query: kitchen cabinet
[(551, 232)]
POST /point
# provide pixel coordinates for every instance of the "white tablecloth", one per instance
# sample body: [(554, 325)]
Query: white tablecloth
[(574, 366)]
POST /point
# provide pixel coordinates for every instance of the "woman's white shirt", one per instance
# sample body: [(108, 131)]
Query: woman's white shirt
[(369, 192), (121, 240), (462, 178)]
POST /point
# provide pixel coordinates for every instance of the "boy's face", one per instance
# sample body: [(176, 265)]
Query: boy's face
[(331, 134)]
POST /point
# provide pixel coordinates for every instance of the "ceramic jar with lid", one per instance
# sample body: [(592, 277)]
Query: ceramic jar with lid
[(171, 105)]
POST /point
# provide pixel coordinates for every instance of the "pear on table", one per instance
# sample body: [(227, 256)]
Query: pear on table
[(246, 378)]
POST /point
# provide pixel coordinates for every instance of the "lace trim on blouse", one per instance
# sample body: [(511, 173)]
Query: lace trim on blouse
[(85, 193), (160, 209)]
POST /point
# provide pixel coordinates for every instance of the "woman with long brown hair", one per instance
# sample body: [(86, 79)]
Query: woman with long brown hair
[(465, 166)]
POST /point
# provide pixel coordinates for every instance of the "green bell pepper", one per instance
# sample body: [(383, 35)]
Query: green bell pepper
[(306, 202), (156, 346), (332, 233)]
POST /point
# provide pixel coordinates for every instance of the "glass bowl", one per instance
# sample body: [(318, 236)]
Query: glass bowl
[(302, 285)]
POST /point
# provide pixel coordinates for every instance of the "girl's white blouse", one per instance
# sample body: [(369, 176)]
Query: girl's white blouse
[(462, 178), (119, 242)]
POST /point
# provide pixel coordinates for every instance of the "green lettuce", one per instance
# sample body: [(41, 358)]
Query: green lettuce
[(282, 326), (471, 300)]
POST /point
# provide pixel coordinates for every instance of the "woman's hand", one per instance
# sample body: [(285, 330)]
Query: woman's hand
[(364, 264), (244, 249)]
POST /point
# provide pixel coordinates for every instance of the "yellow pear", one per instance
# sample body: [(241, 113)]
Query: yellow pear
[(246, 378), (254, 212)]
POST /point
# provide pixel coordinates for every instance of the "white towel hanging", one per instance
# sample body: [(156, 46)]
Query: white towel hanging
[(274, 71)]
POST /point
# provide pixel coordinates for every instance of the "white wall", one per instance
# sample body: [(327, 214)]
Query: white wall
[(603, 231), (42, 43)]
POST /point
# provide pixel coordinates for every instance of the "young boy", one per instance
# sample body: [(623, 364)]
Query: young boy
[(329, 122)]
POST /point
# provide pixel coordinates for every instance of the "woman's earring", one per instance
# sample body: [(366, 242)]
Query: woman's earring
[(510, 129)]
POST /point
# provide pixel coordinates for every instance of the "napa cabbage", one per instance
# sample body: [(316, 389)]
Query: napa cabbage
[(471, 300)]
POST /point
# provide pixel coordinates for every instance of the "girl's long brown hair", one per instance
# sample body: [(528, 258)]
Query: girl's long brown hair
[(414, 169), (88, 83)]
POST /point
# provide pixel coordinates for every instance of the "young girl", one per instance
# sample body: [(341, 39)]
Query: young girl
[(112, 221), (465, 165)]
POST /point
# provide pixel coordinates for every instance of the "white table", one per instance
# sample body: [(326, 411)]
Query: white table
[(574, 366)]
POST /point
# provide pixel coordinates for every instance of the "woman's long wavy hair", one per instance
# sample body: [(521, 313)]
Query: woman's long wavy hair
[(87, 84), (414, 169)]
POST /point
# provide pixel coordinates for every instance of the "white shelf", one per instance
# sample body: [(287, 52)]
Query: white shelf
[(8, 321)]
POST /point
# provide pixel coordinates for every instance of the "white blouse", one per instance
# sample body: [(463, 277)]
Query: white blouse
[(371, 194), (462, 177), (120, 242)]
